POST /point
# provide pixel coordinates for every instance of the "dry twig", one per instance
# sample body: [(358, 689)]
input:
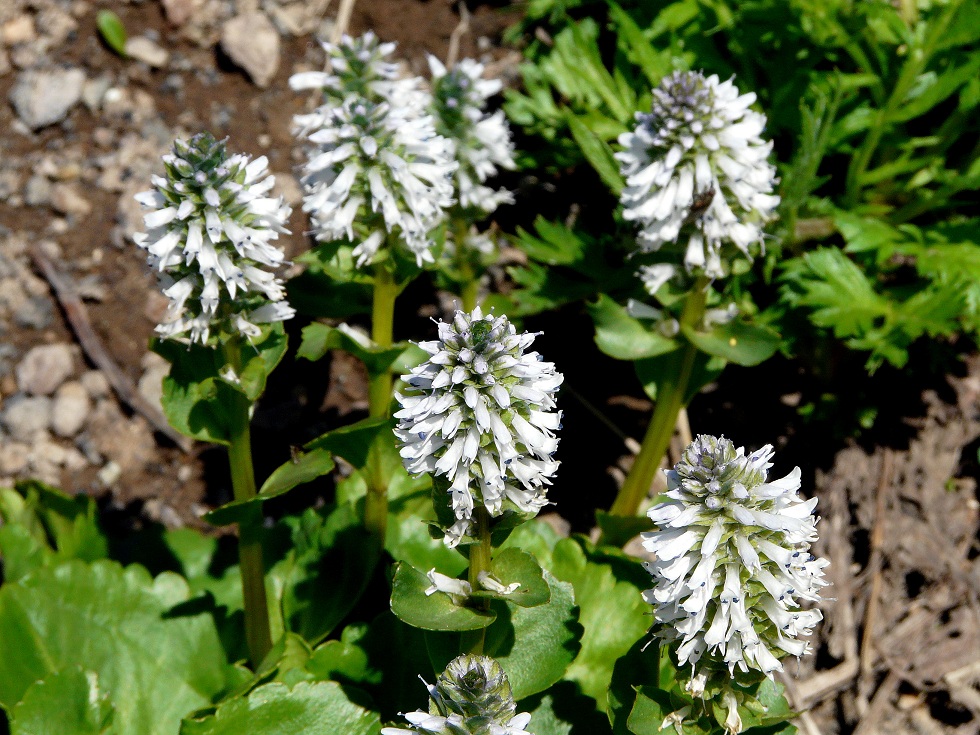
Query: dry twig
[(343, 20), (875, 564), (871, 719), (462, 27), (77, 316)]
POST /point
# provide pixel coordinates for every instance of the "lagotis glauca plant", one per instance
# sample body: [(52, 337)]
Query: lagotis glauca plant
[(209, 226), (699, 184), (524, 632)]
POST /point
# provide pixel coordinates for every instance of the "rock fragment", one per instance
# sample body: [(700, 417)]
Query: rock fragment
[(70, 409), (24, 416), (252, 43), (44, 368), (42, 98), (143, 49)]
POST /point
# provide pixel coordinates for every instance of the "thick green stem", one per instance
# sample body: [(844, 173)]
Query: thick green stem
[(382, 331), (257, 631), (670, 398), (471, 641), (379, 402)]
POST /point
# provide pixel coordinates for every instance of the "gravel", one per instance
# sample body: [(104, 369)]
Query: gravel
[(42, 98)]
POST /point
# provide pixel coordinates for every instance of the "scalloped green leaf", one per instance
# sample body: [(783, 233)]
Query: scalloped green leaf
[(195, 392), (597, 152), (311, 708), (612, 611), (654, 705), (431, 612), (408, 538), (621, 336), (535, 645), (327, 570), (156, 654), (68, 701), (40, 526), (514, 565), (642, 665), (737, 341), (352, 442)]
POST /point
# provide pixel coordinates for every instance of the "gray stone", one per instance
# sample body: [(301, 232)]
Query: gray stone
[(70, 409), (66, 199), (143, 49), (179, 11), (151, 383), (44, 368), (252, 42), (37, 191), (24, 416), (94, 91), (36, 312), (42, 98), (14, 457), (95, 383)]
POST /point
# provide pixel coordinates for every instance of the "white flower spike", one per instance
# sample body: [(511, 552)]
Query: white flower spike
[(209, 227), (480, 412), (697, 172), (377, 173), (733, 561), (481, 141), (361, 67), (471, 697)]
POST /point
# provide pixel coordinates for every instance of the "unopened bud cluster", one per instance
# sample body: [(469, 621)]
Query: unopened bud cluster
[(471, 697)]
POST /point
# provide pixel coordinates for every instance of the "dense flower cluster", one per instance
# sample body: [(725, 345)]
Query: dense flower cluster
[(481, 141), (358, 66), (209, 226), (377, 172), (471, 697), (733, 560), (480, 412), (697, 172)]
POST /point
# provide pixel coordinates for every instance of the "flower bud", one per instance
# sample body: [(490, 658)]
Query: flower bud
[(471, 697)]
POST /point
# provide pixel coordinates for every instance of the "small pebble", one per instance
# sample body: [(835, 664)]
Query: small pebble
[(42, 98), (24, 416), (143, 49), (70, 409), (44, 368), (252, 42)]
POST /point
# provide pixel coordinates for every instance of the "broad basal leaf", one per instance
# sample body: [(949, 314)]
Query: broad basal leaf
[(309, 708), (155, 655), (611, 610)]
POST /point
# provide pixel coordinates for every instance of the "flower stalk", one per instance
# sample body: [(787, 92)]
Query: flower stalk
[(257, 630), (472, 641), (379, 401), (670, 399)]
